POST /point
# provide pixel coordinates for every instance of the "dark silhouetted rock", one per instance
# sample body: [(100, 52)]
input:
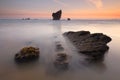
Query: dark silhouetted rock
[(27, 54), (57, 15), (94, 45), (61, 61), (68, 19), (26, 19)]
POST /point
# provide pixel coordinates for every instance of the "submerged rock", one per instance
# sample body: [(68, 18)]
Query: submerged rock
[(94, 45), (57, 15), (59, 47), (61, 61), (27, 54)]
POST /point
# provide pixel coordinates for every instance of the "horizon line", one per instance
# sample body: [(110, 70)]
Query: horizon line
[(62, 18)]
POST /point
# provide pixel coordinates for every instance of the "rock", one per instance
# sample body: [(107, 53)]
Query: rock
[(59, 47), (61, 61), (57, 15), (68, 19), (94, 45), (27, 54), (26, 19)]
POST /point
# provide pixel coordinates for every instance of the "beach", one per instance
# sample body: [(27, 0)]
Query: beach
[(44, 34)]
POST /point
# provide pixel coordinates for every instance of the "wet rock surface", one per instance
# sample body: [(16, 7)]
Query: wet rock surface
[(57, 15), (59, 47), (93, 45), (61, 61), (27, 54)]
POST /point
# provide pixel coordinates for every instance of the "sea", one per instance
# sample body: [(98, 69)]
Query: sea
[(44, 34)]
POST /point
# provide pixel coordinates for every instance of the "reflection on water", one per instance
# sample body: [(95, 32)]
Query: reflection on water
[(47, 35)]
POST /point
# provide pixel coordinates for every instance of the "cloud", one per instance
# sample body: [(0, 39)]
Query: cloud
[(97, 3)]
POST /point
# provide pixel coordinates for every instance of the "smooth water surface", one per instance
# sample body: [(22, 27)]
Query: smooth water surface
[(44, 34)]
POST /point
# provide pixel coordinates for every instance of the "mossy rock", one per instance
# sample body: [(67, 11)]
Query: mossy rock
[(27, 54)]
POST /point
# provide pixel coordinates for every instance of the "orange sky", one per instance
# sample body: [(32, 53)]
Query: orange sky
[(101, 14), (78, 9)]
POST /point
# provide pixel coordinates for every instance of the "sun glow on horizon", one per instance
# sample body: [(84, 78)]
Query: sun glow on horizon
[(75, 9)]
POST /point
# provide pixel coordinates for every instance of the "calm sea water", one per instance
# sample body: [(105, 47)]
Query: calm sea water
[(16, 34)]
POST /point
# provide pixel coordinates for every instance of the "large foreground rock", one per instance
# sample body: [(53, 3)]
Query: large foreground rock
[(57, 15), (94, 45)]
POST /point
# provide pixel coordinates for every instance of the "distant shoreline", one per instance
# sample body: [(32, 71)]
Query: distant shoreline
[(71, 19)]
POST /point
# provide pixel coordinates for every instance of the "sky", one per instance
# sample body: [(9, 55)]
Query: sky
[(77, 9)]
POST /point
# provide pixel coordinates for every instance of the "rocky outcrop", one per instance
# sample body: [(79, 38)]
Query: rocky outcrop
[(94, 45), (27, 54), (57, 15)]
